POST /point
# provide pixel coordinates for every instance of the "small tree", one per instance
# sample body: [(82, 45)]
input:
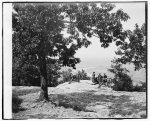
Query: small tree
[(122, 81)]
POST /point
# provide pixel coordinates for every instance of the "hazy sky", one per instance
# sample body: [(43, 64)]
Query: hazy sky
[(94, 52)]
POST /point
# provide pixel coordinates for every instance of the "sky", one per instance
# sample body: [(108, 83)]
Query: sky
[(95, 54)]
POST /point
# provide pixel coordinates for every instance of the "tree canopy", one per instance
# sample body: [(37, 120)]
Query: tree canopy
[(34, 23), (134, 50)]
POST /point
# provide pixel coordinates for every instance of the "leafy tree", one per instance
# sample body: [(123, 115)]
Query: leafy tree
[(134, 51), (37, 33), (122, 81), (37, 37)]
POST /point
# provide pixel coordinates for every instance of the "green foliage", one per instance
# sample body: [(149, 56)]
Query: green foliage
[(90, 20), (37, 32), (122, 81), (37, 29), (117, 68), (29, 75), (81, 74), (134, 51), (140, 88), (53, 73), (66, 75)]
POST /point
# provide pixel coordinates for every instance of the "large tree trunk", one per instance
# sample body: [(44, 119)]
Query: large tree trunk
[(43, 79)]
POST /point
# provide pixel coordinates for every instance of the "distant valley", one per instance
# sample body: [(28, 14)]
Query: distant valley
[(101, 66)]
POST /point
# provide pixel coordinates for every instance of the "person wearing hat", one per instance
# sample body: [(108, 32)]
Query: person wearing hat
[(100, 80), (70, 78), (93, 77), (105, 79)]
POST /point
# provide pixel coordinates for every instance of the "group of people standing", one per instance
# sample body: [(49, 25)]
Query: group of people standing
[(101, 80)]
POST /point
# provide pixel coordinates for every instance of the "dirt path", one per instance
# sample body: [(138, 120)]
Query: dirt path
[(82, 100)]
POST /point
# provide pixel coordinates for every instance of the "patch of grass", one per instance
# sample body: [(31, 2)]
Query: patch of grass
[(43, 116), (80, 101), (25, 92), (125, 108), (143, 116), (120, 105), (70, 102), (16, 101)]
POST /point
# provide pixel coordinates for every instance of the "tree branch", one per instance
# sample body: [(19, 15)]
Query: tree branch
[(96, 36)]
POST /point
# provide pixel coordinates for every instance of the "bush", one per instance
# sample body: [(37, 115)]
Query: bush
[(141, 88), (16, 101), (28, 75), (123, 83), (81, 74), (66, 75)]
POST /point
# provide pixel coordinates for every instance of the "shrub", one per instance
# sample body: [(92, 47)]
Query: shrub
[(28, 75), (81, 74), (16, 101), (66, 75), (140, 88), (123, 83)]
